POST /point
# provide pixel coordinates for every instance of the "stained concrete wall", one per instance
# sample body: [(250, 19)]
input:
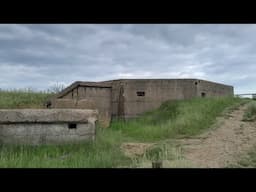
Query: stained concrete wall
[(73, 104), (85, 97), (156, 92), (126, 103), (40, 133), (120, 98), (211, 89), (46, 126)]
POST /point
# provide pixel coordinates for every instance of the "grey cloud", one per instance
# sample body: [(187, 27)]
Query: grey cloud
[(37, 55)]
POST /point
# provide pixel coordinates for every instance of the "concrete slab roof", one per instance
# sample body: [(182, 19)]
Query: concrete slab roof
[(46, 115)]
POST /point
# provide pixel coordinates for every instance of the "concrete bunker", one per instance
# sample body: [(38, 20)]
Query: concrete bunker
[(44, 126), (128, 98)]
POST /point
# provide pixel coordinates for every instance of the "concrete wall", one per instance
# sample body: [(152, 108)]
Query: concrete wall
[(47, 126), (96, 98), (41, 133), (119, 98), (211, 89), (156, 92)]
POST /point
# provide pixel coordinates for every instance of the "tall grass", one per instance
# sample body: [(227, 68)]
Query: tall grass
[(22, 99), (104, 153), (175, 119), (250, 112), (247, 161)]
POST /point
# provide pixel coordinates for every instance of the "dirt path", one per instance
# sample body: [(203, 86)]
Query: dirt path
[(135, 149), (222, 146)]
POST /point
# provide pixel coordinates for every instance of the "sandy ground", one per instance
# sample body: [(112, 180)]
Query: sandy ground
[(224, 144), (133, 150)]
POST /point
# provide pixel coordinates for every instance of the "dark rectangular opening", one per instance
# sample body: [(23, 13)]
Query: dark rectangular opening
[(203, 94), (140, 93), (72, 126)]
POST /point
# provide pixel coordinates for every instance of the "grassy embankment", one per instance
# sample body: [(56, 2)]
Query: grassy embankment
[(22, 99), (172, 120)]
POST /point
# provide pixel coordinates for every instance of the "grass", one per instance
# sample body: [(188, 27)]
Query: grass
[(247, 161), (172, 120), (250, 112), (103, 153), (175, 119), (22, 99)]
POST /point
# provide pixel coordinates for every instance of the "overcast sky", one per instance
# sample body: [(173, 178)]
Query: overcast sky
[(40, 55)]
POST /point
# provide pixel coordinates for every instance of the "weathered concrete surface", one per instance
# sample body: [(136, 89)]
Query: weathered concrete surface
[(88, 98), (64, 104), (47, 126), (101, 105), (73, 104), (128, 104), (213, 89), (38, 133), (47, 115), (156, 92), (118, 98)]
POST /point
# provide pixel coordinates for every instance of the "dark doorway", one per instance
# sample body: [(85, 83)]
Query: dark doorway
[(203, 94)]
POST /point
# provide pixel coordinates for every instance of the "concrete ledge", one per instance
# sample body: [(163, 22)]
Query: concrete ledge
[(47, 115), (64, 104), (104, 115), (47, 126), (73, 104)]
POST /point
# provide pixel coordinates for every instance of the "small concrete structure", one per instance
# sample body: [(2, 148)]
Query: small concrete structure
[(46, 126)]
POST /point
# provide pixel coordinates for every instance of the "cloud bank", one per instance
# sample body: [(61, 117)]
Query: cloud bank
[(41, 55)]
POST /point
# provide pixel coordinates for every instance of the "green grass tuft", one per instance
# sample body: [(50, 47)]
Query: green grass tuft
[(250, 112)]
